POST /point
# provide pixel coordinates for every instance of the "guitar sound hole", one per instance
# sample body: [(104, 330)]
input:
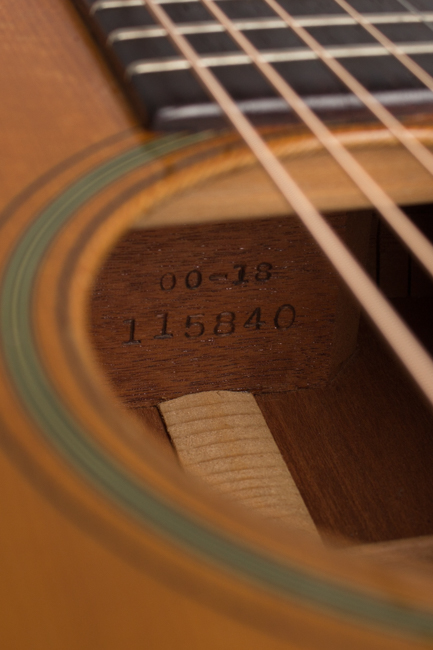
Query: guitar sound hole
[(253, 306)]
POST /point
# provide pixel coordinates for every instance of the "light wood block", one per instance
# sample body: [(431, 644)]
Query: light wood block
[(222, 437)]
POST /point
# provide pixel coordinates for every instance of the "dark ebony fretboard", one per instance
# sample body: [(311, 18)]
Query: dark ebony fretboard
[(168, 96)]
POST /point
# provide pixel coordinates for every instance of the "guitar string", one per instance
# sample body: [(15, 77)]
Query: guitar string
[(399, 337), (396, 218), (419, 245), (407, 139), (414, 11), (392, 48)]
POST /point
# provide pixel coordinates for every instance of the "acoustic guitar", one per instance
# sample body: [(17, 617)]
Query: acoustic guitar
[(205, 441)]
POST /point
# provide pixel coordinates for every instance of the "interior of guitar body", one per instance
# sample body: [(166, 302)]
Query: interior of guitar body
[(198, 297), (219, 288)]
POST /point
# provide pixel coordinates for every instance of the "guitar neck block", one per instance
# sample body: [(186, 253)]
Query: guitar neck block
[(247, 306)]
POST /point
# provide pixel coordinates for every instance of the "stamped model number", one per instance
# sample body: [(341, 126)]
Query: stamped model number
[(193, 279)]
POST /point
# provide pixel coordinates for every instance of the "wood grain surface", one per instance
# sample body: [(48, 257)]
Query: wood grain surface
[(106, 542), (257, 296), (222, 437), (360, 448)]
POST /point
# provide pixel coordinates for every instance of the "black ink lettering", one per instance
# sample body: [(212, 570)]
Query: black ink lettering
[(225, 325), (132, 340), (254, 321), (193, 279), (194, 323), (241, 274), (218, 277), (168, 282), (263, 272), (289, 323), (164, 334)]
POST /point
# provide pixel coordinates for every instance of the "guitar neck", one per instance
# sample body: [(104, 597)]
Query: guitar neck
[(167, 96)]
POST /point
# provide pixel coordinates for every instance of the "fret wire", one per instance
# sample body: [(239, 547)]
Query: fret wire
[(394, 49), (158, 65), (270, 56), (278, 23), (119, 4), (421, 153), (401, 339), (331, 20), (316, 102), (114, 4), (401, 224), (210, 27), (132, 33), (395, 18)]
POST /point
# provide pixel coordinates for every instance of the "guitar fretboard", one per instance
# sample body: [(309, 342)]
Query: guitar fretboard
[(161, 84)]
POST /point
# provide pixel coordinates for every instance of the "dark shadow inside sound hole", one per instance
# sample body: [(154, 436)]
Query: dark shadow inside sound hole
[(357, 441), (402, 278)]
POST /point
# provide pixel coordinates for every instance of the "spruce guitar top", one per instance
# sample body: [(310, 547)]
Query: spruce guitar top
[(159, 272)]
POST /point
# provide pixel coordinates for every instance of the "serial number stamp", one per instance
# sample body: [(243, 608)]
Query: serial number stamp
[(235, 306), (225, 324), (222, 324)]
